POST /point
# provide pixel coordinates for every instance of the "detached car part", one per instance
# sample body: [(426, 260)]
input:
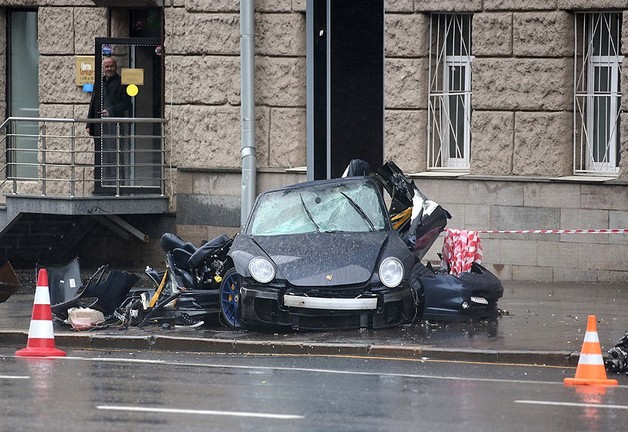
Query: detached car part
[(617, 359), (469, 296), (9, 283)]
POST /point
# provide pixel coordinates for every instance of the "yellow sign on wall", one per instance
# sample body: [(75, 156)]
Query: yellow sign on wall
[(132, 76), (85, 70)]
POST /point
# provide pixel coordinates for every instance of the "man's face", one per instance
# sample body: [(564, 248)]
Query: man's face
[(109, 67)]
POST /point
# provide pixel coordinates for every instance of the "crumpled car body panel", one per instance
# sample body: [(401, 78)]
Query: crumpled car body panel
[(445, 295)]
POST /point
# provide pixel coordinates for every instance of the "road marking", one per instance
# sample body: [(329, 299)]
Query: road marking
[(571, 404), (200, 412), (13, 377)]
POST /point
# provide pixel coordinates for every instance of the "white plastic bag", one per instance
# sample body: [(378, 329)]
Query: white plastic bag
[(84, 318)]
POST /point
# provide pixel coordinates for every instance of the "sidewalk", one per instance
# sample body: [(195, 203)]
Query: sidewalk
[(543, 324)]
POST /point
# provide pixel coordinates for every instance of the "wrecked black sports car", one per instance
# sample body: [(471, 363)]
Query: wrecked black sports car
[(323, 254), (328, 254)]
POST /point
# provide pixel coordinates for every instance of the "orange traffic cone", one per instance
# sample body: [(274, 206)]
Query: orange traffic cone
[(590, 370), (41, 339)]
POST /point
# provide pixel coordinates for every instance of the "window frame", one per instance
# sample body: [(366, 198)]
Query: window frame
[(450, 48), (589, 97)]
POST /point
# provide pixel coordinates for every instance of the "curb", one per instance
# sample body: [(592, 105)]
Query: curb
[(232, 346)]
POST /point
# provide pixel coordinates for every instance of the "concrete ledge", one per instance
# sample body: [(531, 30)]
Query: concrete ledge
[(13, 338), (336, 349), (192, 344), (130, 204), (536, 358), (114, 342), (454, 354), (396, 351)]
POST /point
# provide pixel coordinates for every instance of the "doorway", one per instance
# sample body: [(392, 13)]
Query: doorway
[(345, 85), (128, 154)]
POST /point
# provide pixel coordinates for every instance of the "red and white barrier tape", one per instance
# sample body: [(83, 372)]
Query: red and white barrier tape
[(557, 231)]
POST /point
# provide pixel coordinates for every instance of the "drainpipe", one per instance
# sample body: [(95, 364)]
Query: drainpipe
[(247, 78)]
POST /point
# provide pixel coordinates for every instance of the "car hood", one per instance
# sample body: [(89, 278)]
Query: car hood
[(324, 259)]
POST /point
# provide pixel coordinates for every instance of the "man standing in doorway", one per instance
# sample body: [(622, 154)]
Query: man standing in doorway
[(114, 103)]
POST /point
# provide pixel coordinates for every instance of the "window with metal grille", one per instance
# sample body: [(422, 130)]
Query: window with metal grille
[(449, 105), (597, 92)]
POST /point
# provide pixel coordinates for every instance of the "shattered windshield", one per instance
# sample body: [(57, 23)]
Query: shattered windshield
[(341, 207)]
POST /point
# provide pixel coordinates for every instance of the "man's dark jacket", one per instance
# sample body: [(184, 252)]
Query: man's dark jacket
[(115, 101)]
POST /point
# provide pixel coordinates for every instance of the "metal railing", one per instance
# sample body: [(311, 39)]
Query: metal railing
[(57, 157)]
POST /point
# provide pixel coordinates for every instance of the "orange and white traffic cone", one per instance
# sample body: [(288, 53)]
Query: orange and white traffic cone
[(590, 370), (41, 339)]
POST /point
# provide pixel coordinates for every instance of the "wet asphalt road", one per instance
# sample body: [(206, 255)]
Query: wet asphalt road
[(143, 391)]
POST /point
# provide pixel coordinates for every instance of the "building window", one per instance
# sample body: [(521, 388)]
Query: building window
[(449, 104), (23, 92), (597, 92)]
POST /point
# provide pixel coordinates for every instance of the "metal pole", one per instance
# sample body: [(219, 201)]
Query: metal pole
[(117, 168), (12, 154), (44, 174), (247, 75), (162, 160), (73, 161), (309, 60)]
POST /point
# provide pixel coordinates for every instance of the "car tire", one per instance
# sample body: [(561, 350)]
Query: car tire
[(230, 299)]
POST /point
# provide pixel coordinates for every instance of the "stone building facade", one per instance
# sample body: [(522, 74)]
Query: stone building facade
[(523, 120)]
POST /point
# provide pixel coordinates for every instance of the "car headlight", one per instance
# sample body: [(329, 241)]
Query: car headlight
[(261, 269), (391, 272)]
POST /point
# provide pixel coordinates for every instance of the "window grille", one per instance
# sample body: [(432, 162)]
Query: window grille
[(597, 93), (449, 100)]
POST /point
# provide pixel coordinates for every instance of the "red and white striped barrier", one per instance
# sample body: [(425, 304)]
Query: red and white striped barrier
[(41, 338), (557, 231), (461, 248)]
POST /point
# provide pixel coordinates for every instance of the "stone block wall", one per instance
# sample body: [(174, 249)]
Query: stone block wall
[(202, 42), (548, 205), (58, 48)]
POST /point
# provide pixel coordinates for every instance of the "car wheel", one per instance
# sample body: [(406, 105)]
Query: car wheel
[(230, 299)]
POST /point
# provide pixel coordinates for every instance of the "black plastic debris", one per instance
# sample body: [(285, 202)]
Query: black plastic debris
[(617, 359), (9, 283), (101, 293), (64, 281)]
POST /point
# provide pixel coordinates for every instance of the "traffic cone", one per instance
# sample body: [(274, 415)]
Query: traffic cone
[(41, 339), (590, 370)]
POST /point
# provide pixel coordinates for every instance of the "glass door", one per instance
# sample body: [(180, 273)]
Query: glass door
[(128, 97)]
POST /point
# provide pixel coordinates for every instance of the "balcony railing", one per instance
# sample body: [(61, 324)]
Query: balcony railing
[(57, 157)]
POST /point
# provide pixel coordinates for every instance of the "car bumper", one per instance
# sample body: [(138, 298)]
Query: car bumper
[(469, 297), (265, 306)]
